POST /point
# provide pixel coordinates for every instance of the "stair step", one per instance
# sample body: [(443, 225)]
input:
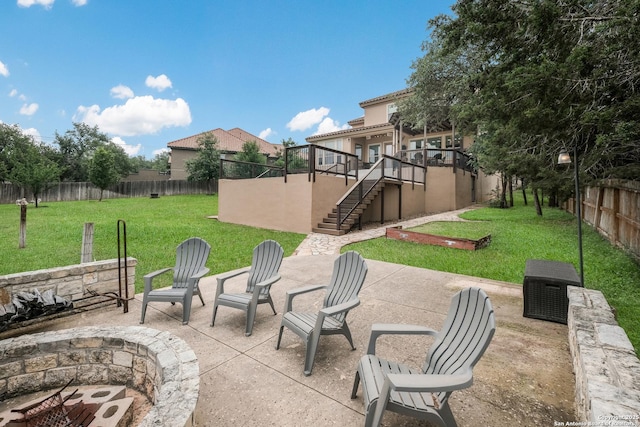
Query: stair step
[(333, 232)]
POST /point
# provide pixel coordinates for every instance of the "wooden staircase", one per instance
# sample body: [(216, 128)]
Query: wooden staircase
[(329, 223)]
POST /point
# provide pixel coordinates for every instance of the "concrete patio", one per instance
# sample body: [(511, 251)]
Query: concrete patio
[(525, 378)]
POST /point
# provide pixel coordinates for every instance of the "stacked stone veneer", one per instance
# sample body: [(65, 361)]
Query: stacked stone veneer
[(157, 364), (73, 281), (606, 367)]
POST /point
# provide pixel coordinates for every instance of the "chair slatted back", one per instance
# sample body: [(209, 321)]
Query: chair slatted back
[(349, 272), (191, 257), (267, 257), (466, 334)]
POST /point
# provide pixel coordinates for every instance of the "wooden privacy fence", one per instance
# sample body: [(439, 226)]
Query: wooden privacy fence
[(71, 191), (613, 209)]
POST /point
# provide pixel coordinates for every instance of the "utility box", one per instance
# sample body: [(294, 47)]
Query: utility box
[(545, 289)]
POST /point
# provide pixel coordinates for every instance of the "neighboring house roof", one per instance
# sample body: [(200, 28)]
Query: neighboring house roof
[(356, 122), (229, 141)]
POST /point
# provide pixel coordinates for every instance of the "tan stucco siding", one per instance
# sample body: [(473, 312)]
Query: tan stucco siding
[(376, 114), (297, 205), (178, 162)]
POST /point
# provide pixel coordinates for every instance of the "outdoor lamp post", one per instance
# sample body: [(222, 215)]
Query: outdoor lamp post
[(565, 159)]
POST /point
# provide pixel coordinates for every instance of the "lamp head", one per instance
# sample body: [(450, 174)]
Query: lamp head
[(564, 158)]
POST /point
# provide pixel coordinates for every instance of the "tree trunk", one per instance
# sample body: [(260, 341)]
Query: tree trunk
[(510, 191), (524, 192), (100, 199), (536, 199), (503, 193)]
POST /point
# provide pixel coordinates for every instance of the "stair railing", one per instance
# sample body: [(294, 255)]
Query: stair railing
[(356, 194)]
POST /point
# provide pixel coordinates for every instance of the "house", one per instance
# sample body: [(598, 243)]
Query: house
[(229, 143), (378, 170)]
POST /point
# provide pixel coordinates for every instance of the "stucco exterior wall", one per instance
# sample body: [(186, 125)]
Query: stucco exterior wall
[(178, 161), (297, 205), (376, 114)]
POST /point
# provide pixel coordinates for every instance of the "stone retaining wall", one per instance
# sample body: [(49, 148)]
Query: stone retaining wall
[(606, 367), (71, 282), (157, 364)]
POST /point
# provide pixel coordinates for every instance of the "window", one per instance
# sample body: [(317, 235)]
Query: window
[(391, 108), (415, 144), (374, 153), (458, 141), (359, 151), (435, 142), (329, 157)]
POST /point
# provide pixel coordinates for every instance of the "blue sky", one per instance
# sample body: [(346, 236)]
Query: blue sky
[(148, 72)]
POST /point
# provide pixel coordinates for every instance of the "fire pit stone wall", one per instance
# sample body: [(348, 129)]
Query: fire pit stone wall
[(157, 364)]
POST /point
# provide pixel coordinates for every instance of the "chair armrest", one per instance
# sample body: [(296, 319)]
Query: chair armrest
[(222, 278), (299, 291), (378, 329), (148, 278), (339, 308), (430, 383), (270, 281)]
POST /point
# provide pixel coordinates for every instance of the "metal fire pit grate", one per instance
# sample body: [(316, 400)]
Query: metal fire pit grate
[(51, 412)]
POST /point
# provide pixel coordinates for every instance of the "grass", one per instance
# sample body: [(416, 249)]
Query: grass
[(460, 230), (154, 227), (518, 234)]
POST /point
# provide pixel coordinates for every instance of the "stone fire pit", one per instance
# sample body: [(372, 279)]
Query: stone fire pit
[(156, 364)]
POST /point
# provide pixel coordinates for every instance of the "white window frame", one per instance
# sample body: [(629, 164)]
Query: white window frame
[(391, 108)]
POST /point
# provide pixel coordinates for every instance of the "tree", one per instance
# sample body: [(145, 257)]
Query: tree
[(250, 154), (76, 148), (161, 162), (31, 169), (206, 165), (295, 162), (103, 172)]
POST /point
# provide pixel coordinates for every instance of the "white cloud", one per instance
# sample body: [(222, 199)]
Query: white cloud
[(28, 3), (131, 150), (4, 71), (160, 151), (329, 125), (121, 92), (33, 133), (266, 133), (306, 119), (160, 83), (79, 2), (29, 109), (13, 93), (140, 115)]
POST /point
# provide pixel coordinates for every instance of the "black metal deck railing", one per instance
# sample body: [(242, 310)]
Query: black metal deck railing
[(313, 159), (385, 169), (452, 157), (234, 169)]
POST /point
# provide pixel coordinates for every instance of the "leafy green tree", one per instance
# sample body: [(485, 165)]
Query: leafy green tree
[(295, 162), (32, 169), (533, 77), (250, 154), (206, 165), (103, 172), (161, 162), (76, 148)]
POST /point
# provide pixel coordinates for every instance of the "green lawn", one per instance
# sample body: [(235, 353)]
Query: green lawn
[(518, 234), (154, 227), (460, 230)]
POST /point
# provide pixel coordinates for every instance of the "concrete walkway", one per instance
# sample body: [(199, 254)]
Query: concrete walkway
[(324, 244), (524, 379)]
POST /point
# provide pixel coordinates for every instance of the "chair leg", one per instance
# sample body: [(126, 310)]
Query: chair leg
[(312, 346), (144, 311), (356, 383), (186, 311), (347, 333), (200, 295), (251, 316), (271, 304), (279, 337), (447, 416), (215, 311)]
